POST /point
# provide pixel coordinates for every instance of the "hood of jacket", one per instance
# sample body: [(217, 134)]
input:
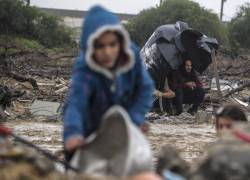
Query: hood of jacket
[(97, 22)]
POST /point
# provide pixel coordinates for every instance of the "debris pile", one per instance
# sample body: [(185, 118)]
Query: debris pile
[(43, 85)]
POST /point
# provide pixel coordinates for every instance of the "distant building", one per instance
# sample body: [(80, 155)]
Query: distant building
[(74, 18)]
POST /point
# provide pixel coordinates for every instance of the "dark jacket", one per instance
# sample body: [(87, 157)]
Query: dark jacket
[(179, 78)]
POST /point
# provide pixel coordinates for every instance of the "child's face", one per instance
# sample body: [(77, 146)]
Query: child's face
[(224, 124), (107, 50)]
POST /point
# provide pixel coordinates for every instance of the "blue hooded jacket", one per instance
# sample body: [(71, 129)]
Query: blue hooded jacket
[(95, 89)]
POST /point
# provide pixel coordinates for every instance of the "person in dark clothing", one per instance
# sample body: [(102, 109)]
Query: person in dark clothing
[(163, 94), (188, 90), (163, 98)]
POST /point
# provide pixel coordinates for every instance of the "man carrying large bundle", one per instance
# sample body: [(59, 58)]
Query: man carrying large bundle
[(169, 46)]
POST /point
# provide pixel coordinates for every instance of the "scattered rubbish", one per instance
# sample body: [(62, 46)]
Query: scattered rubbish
[(44, 108), (241, 102), (61, 90), (203, 116), (52, 77), (224, 85)]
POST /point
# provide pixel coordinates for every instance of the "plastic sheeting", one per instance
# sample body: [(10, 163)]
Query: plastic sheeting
[(170, 45)]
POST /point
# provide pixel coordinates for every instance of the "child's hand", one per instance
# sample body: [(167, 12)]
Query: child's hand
[(73, 143)]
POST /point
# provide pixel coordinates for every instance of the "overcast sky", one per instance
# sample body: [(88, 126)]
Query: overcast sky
[(135, 6)]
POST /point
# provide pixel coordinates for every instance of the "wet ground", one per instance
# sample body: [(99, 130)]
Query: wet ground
[(190, 140), (47, 135), (187, 135)]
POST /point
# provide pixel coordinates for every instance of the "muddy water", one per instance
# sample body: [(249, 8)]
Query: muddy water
[(189, 137)]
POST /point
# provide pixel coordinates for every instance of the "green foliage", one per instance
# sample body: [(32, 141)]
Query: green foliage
[(11, 16), (50, 31), (239, 28), (17, 44), (19, 19), (28, 44), (171, 11)]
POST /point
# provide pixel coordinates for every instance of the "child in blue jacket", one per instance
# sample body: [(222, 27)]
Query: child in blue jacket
[(108, 72)]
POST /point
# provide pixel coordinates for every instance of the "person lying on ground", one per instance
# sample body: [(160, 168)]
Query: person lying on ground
[(108, 72), (189, 90), (227, 116)]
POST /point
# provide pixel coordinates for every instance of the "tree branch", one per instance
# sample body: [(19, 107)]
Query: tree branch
[(242, 87)]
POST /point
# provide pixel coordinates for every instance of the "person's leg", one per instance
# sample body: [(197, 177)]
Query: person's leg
[(188, 96), (198, 96), (156, 105), (168, 105), (178, 100)]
